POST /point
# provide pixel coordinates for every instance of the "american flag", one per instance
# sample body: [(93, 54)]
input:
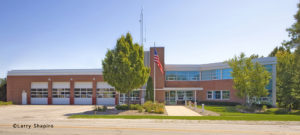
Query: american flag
[(156, 60)]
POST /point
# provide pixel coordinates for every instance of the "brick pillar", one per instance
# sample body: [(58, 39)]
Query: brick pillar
[(94, 98), (50, 92), (28, 92), (71, 92)]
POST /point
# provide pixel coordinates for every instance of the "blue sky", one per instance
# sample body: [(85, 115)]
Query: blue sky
[(55, 34)]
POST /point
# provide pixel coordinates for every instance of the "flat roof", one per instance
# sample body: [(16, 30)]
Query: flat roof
[(211, 66), (168, 67), (50, 72)]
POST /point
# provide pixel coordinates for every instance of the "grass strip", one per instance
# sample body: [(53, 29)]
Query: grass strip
[(257, 117)]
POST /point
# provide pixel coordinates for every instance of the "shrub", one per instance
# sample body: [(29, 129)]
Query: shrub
[(151, 107), (140, 108), (100, 108), (264, 108), (134, 106), (6, 103), (218, 103), (122, 107)]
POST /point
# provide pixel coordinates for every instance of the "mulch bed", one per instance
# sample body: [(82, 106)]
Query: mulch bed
[(113, 111)]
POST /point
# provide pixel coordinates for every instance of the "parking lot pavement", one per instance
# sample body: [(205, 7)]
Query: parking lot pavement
[(56, 115)]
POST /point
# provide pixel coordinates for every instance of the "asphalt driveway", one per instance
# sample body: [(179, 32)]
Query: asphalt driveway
[(40, 112)]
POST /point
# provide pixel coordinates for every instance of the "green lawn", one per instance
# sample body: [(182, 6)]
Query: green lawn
[(227, 113), (5, 103)]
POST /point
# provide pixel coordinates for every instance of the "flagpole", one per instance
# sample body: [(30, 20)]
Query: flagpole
[(154, 76)]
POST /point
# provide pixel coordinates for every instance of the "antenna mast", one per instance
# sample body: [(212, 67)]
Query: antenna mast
[(141, 27)]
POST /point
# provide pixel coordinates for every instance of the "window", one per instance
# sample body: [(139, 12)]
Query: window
[(225, 94), (189, 95), (39, 93), (61, 93), (211, 75), (83, 93), (218, 95), (226, 73), (183, 75), (106, 93), (209, 95), (134, 96), (180, 95)]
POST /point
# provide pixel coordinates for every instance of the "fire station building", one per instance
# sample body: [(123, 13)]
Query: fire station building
[(203, 82)]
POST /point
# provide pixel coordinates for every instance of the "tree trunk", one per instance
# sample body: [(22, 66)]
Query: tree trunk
[(128, 98)]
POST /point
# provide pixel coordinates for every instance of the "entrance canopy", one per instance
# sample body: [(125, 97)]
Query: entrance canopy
[(182, 88)]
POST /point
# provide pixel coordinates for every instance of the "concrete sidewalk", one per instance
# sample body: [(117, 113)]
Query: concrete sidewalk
[(180, 111)]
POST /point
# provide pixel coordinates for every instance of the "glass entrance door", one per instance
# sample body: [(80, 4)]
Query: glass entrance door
[(170, 97)]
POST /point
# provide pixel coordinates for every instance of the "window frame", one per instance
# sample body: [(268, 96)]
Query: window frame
[(39, 93), (83, 92)]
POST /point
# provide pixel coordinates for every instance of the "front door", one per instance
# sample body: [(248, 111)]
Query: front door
[(170, 97)]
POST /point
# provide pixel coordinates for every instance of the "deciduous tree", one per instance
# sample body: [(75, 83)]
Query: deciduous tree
[(123, 66), (250, 79)]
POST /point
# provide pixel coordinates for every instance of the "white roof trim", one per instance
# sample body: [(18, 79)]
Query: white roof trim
[(51, 72)]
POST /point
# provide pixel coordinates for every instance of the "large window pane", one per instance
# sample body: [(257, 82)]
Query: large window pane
[(226, 73), (183, 75), (106, 93), (217, 94), (225, 94)]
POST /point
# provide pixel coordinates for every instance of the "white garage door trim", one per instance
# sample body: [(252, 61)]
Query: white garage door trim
[(39, 101), (105, 101), (61, 85), (83, 84), (83, 101), (103, 85), (57, 85), (61, 101)]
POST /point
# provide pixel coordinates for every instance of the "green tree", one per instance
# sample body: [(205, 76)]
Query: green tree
[(149, 90), (294, 31), (276, 49), (250, 79), (286, 80), (123, 66), (3, 85)]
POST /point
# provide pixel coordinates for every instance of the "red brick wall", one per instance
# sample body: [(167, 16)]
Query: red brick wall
[(16, 84), (159, 77), (208, 85)]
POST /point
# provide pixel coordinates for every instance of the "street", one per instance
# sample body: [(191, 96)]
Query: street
[(17, 119)]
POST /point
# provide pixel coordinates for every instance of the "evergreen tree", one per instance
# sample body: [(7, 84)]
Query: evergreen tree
[(286, 80), (149, 90)]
